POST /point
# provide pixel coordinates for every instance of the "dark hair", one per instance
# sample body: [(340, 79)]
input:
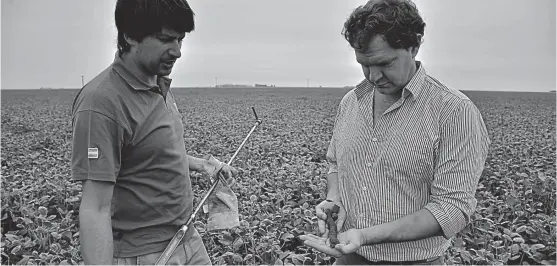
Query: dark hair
[(397, 20), (140, 18)]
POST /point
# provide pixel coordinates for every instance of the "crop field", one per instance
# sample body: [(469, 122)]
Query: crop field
[(283, 175)]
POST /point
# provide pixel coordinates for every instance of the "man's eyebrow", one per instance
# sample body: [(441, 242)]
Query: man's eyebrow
[(387, 60), (381, 61), (164, 35)]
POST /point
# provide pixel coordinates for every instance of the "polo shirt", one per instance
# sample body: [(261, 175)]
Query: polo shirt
[(130, 133), (426, 151)]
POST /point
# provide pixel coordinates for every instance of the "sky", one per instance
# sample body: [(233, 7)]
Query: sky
[(507, 45)]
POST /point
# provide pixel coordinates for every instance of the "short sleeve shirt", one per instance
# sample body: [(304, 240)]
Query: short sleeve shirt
[(130, 133)]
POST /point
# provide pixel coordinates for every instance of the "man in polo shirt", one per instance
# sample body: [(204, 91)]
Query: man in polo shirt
[(128, 144), (406, 151)]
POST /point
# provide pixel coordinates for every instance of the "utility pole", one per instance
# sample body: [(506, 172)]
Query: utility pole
[(216, 81), (82, 84)]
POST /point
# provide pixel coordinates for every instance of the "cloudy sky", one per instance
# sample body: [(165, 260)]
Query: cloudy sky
[(469, 44)]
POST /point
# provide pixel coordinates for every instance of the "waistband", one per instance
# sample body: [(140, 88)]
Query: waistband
[(146, 240)]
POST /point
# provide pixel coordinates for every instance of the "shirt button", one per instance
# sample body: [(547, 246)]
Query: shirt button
[(374, 139), (364, 188), (369, 164)]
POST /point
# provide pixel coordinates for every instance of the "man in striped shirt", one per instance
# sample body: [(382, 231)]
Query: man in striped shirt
[(406, 151)]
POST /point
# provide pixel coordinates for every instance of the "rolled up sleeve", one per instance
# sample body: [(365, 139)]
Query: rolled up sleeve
[(331, 158), (463, 149)]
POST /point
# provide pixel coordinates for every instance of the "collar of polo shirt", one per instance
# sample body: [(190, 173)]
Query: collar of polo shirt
[(413, 87), (138, 83)]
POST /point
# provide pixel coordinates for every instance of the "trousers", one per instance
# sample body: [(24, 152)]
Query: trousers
[(191, 252)]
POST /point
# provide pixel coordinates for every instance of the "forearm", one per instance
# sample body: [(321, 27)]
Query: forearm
[(332, 187), (419, 225), (95, 235), (195, 164)]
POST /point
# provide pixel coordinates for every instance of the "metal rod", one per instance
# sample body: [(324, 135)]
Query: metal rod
[(241, 145), (255, 114), (214, 186), (169, 250)]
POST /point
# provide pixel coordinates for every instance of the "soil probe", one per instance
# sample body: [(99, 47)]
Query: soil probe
[(167, 253)]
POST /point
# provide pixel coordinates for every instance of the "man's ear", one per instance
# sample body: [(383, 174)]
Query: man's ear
[(130, 40), (420, 38), (414, 50)]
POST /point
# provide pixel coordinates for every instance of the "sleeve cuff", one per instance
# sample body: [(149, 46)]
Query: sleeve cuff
[(449, 218), (95, 176), (333, 168)]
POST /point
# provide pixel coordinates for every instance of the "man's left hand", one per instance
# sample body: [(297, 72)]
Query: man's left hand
[(211, 165), (350, 242), (229, 173)]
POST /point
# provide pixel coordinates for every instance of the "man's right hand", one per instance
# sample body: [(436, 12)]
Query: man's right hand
[(322, 216)]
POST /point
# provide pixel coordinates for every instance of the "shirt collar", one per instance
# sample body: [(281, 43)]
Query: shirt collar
[(138, 82), (414, 86)]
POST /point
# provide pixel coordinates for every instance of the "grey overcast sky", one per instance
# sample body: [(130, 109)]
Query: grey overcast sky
[(469, 44)]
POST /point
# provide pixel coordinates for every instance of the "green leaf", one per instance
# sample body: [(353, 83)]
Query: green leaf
[(465, 255), (237, 244), (11, 237), (237, 258), (542, 176), (287, 236), (23, 261), (284, 255), (458, 243), (16, 249), (248, 257), (515, 248), (227, 239), (522, 229), (536, 247)]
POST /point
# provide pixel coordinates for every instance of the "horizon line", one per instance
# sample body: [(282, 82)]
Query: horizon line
[(268, 87)]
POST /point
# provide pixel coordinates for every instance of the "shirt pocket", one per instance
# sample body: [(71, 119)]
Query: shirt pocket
[(411, 157)]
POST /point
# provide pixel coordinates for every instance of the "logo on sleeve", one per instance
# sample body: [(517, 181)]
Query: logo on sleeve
[(93, 153)]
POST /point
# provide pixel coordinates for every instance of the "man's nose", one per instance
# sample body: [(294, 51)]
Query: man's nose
[(374, 75), (175, 50)]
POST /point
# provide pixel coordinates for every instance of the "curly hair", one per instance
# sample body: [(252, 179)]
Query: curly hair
[(140, 18), (397, 20)]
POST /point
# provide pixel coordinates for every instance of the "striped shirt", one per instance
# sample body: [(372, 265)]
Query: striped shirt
[(427, 150)]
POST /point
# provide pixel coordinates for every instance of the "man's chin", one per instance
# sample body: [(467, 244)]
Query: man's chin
[(164, 72), (388, 90)]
